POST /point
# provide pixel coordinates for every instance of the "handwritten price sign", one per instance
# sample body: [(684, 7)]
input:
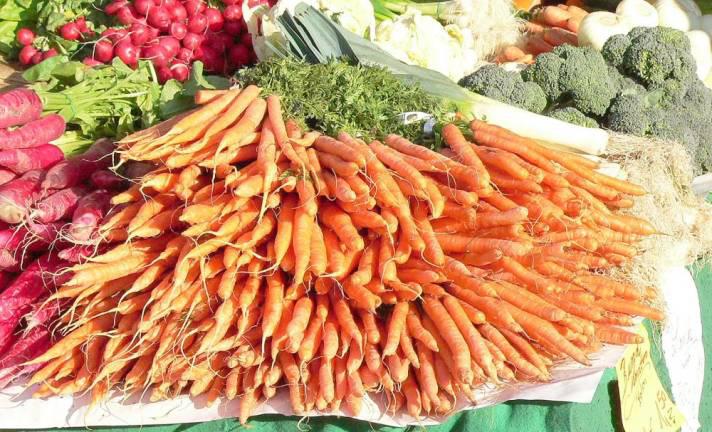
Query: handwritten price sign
[(645, 405)]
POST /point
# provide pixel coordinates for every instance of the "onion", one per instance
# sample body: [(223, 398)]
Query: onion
[(706, 24), (597, 27), (639, 12), (702, 51), (678, 14)]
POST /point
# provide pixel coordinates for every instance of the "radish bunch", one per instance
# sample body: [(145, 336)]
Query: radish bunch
[(49, 209), (29, 54), (174, 33)]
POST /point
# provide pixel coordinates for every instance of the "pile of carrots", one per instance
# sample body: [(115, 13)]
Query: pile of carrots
[(549, 27), (259, 256)]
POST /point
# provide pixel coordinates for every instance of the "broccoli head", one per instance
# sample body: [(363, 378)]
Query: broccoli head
[(584, 78), (628, 114), (623, 84), (545, 72), (572, 115), (669, 93), (672, 126), (528, 96), (492, 81), (658, 53), (698, 97), (614, 49)]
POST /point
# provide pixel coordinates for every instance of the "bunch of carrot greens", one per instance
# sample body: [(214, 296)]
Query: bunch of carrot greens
[(258, 255)]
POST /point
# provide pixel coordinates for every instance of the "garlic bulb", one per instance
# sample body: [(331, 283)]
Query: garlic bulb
[(702, 52), (639, 12), (597, 27)]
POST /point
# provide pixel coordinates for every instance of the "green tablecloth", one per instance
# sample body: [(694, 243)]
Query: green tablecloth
[(602, 415)]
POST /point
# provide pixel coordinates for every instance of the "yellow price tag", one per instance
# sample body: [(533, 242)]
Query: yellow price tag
[(645, 405)]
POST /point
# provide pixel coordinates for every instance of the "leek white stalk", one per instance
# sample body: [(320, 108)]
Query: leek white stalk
[(639, 12), (683, 15), (702, 52), (597, 27), (547, 130)]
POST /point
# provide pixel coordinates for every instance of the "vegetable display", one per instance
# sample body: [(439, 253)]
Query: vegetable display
[(258, 255), (44, 201)]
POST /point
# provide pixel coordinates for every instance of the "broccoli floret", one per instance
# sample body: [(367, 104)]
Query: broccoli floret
[(623, 84), (614, 49), (545, 72), (529, 96), (669, 93), (658, 53), (672, 126), (572, 115), (492, 81), (628, 114), (698, 97), (584, 77)]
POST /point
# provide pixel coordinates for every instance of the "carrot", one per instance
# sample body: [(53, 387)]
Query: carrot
[(616, 336), (454, 138), (340, 222), (553, 16), (273, 304), (630, 307), (559, 36), (396, 326), (511, 354), (459, 243), (301, 242), (449, 331), (204, 96)]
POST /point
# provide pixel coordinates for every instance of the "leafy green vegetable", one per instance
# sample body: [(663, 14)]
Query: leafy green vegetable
[(332, 97)]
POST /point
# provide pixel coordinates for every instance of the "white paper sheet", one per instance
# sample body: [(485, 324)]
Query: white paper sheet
[(570, 383)]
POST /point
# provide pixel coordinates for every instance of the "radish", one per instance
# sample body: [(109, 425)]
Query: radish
[(25, 36), (105, 179), (72, 172), (184, 55), (34, 133), (78, 253), (233, 28), (28, 159), (215, 19), (139, 34), (58, 205), (113, 7), (17, 195), (159, 18), (178, 12), (26, 54), (104, 51), (70, 31), (89, 213), (19, 106), (49, 53), (143, 6), (114, 35), (37, 58), (9, 375), (5, 279), (192, 41), (163, 73), (91, 62), (157, 54), (127, 52), (170, 44), (180, 72), (178, 30), (17, 299), (233, 13), (23, 350), (127, 15), (197, 24), (194, 7), (82, 25)]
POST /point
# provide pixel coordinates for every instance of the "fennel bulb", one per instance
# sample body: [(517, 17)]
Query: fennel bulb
[(597, 27)]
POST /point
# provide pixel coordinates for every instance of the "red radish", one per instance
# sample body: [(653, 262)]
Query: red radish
[(194, 7), (91, 62), (17, 299), (58, 205), (239, 55), (113, 7), (18, 195), (34, 133), (159, 17), (6, 176), (113, 34), (178, 12), (9, 375), (77, 253), (5, 279), (246, 39), (49, 53), (74, 171), (11, 238), (233, 13), (26, 54), (89, 213), (215, 19), (143, 6), (232, 2), (37, 58), (127, 15), (70, 31), (105, 179), (153, 32), (25, 36), (34, 158), (24, 348), (127, 52), (163, 73), (82, 25), (180, 72), (170, 44), (197, 24), (178, 30), (233, 28), (19, 106), (192, 41), (104, 51), (185, 55), (156, 53), (140, 34), (48, 310), (215, 42)]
